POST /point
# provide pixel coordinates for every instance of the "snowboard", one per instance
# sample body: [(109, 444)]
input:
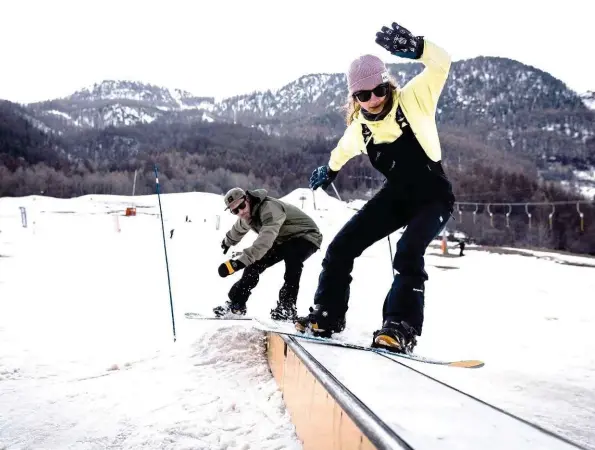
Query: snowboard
[(282, 328), (287, 329), (198, 316)]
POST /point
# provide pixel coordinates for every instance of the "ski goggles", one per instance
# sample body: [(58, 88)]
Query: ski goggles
[(238, 208), (379, 91)]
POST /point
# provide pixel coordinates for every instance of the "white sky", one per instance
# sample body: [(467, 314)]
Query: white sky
[(51, 48)]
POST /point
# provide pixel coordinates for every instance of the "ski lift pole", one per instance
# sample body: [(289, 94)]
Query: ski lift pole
[(390, 246), (390, 250), (581, 215), (134, 183), (171, 303), (336, 192), (491, 215)]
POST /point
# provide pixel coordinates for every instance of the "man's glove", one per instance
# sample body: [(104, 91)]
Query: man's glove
[(322, 177), (231, 266), (400, 42), (224, 247)]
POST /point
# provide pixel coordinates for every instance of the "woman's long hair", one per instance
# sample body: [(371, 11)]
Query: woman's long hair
[(352, 107)]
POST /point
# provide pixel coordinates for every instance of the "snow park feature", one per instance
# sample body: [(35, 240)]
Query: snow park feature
[(87, 358)]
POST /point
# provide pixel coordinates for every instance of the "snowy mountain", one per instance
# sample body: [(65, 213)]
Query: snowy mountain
[(497, 102), (589, 99), (118, 103), (126, 90), (503, 101)]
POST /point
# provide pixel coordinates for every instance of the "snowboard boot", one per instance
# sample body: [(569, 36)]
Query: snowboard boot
[(285, 312), (230, 309), (398, 337), (321, 322)]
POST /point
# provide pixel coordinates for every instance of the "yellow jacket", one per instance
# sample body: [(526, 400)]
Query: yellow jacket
[(418, 100)]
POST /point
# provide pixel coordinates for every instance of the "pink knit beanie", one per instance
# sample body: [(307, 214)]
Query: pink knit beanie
[(365, 73)]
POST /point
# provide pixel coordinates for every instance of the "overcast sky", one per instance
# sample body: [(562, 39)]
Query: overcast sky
[(51, 48)]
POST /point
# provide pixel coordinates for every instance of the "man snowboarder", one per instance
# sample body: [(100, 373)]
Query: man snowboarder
[(285, 233)]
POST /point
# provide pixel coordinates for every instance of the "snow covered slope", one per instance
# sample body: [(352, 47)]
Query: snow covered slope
[(87, 358)]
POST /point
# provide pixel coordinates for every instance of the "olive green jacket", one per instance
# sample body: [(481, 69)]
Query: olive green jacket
[(275, 222)]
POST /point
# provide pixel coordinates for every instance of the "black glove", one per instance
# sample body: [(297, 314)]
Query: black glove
[(322, 177), (231, 266), (400, 42), (224, 247)]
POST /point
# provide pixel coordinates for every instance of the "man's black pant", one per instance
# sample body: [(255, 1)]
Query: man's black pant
[(294, 252), (381, 216)]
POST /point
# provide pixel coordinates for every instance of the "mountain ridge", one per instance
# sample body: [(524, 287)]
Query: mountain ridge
[(494, 103)]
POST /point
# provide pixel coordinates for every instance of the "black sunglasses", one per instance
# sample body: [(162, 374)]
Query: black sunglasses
[(379, 91), (237, 209)]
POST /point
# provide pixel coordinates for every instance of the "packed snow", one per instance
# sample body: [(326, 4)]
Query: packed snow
[(88, 359)]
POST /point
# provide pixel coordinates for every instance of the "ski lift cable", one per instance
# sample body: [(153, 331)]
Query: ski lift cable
[(568, 202)]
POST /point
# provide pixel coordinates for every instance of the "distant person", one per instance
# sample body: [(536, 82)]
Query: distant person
[(285, 233), (461, 247), (395, 126)]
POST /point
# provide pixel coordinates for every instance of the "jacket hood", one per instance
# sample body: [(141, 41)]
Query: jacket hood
[(258, 194)]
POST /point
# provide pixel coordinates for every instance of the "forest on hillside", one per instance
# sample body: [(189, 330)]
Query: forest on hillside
[(214, 158)]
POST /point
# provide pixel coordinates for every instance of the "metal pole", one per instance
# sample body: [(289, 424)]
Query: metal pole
[(336, 192), (390, 247), (171, 302), (134, 184)]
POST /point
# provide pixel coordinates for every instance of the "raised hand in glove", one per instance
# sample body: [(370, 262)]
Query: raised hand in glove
[(400, 42), (323, 176), (224, 247), (231, 266)]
